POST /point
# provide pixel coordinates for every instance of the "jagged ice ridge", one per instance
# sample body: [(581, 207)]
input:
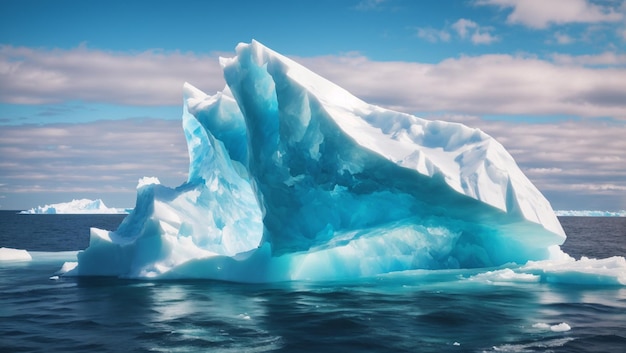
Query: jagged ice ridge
[(291, 177)]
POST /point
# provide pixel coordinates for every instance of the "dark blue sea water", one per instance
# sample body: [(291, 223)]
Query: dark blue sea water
[(418, 311)]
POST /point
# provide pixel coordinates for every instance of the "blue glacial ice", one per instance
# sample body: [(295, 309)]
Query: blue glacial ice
[(291, 177)]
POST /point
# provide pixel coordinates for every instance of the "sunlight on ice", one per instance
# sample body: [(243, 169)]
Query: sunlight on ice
[(293, 178)]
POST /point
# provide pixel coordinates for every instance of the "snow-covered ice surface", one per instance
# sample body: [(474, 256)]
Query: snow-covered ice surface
[(80, 206), (293, 178)]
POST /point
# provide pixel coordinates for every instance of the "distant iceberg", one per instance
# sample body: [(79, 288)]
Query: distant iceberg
[(9, 254), (82, 206), (590, 213), (293, 178)]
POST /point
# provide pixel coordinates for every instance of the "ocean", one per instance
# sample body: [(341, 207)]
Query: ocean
[(413, 311)]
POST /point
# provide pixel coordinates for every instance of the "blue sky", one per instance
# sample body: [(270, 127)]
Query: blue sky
[(91, 92)]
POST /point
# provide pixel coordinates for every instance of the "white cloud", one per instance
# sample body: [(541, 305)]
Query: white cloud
[(433, 35), (486, 84), (483, 37), (36, 76), (541, 14), (562, 38), (478, 34), (582, 86), (464, 28), (603, 59), (543, 170)]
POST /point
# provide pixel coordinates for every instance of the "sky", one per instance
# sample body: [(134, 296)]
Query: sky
[(91, 91)]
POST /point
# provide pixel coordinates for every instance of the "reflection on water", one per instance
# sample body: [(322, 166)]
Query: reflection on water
[(425, 311), (428, 311)]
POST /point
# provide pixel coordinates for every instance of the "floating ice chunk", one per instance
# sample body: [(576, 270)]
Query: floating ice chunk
[(562, 327), (67, 267), (9, 254), (536, 346), (505, 275), (609, 271), (566, 270)]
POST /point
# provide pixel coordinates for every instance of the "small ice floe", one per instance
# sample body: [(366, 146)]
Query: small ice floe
[(506, 275), (244, 316), (562, 327), (67, 267)]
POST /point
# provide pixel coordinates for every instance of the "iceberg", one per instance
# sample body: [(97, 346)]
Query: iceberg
[(590, 213), (10, 254), (80, 206), (293, 178)]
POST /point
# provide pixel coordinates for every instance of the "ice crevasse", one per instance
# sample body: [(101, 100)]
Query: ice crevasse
[(291, 177)]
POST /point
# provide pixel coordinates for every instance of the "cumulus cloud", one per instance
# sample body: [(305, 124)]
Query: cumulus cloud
[(581, 86), (469, 29), (563, 38), (603, 59), (483, 37), (541, 14), (37, 76), (463, 26), (433, 35), (465, 30), (486, 84)]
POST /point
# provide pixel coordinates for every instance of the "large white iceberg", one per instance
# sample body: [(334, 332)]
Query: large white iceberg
[(291, 177), (76, 206)]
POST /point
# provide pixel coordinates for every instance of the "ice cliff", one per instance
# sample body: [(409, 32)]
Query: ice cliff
[(292, 177)]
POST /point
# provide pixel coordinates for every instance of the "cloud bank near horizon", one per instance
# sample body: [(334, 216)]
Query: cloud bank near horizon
[(544, 110), (490, 84)]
